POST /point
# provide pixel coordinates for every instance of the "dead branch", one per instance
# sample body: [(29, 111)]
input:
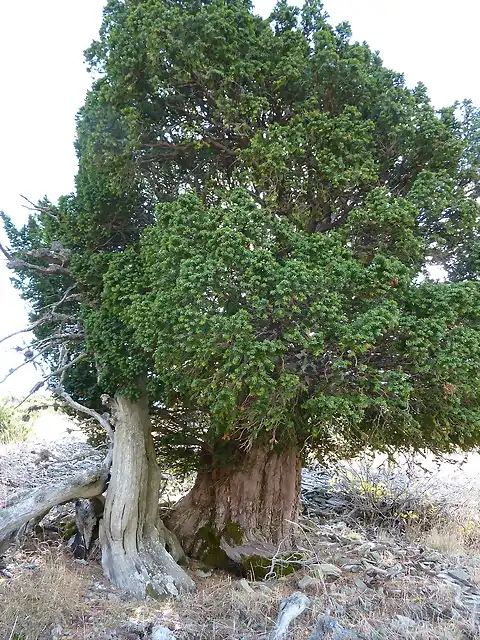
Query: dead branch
[(42, 382), (290, 608), (18, 263), (30, 505), (27, 361), (102, 419), (46, 319), (40, 209)]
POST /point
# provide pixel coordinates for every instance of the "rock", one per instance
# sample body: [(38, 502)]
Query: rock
[(405, 621), (327, 571), (328, 627), (159, 632), (352, 568), (244, 586), (264, 589), (203, 574), (360, 585), (459, 575), (307, 582)]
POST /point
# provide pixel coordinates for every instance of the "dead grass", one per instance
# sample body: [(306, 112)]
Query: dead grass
[(36, 599)]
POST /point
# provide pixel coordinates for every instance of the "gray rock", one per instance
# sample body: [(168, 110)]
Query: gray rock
[(244, 586), (307, 582), (203, 574), (264, 589), (405, 621), (327, 571), (159, 632), (360, 585), (459, 575)]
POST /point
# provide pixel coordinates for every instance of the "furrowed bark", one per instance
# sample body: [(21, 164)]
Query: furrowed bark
[(233, 513), (138, 552)]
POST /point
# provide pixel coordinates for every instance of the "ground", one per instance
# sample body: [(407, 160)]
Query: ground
[(385, 553)]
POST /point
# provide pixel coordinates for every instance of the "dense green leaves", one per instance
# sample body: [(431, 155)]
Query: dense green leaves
[(257, 207)]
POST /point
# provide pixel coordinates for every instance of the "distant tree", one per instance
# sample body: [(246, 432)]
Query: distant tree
[(257, 207)]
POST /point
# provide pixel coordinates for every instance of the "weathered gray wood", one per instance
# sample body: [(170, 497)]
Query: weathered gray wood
[(132, 537), (34, 504), (290, 608)]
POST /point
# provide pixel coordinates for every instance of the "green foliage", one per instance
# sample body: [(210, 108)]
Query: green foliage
[(13, 426), (256, 206)]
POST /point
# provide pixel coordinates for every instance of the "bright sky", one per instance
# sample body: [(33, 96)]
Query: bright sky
[(44, 82)]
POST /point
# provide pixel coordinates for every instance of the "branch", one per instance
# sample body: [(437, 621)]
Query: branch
[(18, 263), (46, 319), (28, 361), (36, 207), (102, 420), (42, 382)]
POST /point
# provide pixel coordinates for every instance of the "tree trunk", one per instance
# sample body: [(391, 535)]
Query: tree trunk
[(34, 504), (246, 510), (137, 550)]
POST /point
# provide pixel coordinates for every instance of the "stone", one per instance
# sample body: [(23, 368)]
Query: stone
[(459, 575), (352, 568), (159, 632), (264, 589), (327, 571), (307, 582), (243, 585), (405, 621), (360, 585), (203, 574)]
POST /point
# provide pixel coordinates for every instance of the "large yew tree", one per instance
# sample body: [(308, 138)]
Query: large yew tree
[(259, 204)]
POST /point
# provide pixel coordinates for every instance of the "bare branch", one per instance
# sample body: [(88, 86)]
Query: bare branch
[(58, 371), (46, 319), (102, 419), (18, 263), (27, 361), (40, 209)]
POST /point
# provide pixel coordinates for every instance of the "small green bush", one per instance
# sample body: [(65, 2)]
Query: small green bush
[(13, 426)]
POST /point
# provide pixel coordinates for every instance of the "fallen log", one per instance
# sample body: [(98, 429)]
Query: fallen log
[(28, 505)]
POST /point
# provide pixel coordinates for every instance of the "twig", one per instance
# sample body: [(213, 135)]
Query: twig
[(102, 420), (41, 383), (49, 317)]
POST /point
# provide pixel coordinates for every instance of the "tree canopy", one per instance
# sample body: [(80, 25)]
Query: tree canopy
[(257, 207)]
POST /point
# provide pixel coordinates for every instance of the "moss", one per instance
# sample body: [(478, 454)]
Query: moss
[(151, 592), (233, 533), (69, 529), (257, 567), (208, 542)]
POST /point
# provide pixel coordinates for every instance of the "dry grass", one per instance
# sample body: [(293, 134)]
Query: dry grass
[(35, 600)]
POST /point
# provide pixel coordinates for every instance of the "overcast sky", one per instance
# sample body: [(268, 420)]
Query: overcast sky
[(44, 82)]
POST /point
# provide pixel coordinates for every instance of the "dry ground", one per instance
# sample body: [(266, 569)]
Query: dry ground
[(403, 550)]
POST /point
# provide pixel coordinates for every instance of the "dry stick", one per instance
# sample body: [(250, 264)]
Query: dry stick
[(49, 317), (40, 384), (103, 420), (290, 608), (29, 361)]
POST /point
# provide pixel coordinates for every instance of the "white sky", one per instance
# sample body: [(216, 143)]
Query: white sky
[(44, 82)]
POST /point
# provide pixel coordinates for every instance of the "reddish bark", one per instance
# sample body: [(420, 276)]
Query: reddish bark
[(258, 498)]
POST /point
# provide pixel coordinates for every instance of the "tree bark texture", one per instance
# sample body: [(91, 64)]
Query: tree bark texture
[(253, 506), (138, 552)]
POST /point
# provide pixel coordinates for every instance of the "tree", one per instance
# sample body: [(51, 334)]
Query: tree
[(256, 205)]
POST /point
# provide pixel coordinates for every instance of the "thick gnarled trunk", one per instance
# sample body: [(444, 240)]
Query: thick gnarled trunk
[(248, 509), (138, 552)]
